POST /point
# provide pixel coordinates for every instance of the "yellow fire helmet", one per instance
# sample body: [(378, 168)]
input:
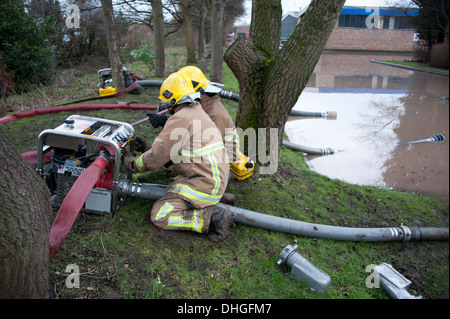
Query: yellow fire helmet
[(176, 90), (198, 80)]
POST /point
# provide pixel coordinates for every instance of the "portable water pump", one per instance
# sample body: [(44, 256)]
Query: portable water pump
[(76, 144)]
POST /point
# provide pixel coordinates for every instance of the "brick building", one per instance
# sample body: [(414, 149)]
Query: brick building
[(364, 29)]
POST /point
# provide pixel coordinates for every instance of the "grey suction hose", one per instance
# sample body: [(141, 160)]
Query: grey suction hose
[(254, 219), (433, 138), (150, 83), (402, 233), (329, 151), (308, 149), (328, 115), (229, 95)]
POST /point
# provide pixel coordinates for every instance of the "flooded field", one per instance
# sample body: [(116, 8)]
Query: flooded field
[(378, 107)]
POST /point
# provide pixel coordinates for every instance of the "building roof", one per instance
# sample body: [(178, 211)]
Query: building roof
[(295, 14), (383, 11)]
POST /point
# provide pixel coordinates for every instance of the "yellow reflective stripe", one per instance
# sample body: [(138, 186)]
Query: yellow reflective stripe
[(195, 224), (204, 150), (164, 210), (190, 193), (140, 163), (232, 137), (229, 137), (196, 195), (216, 174)]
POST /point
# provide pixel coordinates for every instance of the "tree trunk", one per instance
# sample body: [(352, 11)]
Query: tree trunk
[(271, 80), (190, 45), (25, 213), (158, 28), (201, 31), (113, 45), (217, 40)]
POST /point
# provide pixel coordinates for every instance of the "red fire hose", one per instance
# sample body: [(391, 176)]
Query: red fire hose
[(82, 187), (73, 203), (81, 107), (78, 107)]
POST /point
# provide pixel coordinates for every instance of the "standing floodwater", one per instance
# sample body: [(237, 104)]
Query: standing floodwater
[(378, 107)]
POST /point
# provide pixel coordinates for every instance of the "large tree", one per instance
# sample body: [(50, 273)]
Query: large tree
[(158, 30), (113, 45), (433, 20), (217, 40), (271, 79), (190, 44), (25, 213)]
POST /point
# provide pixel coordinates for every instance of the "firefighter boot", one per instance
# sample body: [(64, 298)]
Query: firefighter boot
[(221, 220)]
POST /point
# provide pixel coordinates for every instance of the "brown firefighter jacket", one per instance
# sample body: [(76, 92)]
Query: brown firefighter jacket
[(193, 143), (214, 107)]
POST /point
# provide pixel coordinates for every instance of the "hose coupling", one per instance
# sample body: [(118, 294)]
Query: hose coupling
[(301, 269), (105, 155), (394, 283)]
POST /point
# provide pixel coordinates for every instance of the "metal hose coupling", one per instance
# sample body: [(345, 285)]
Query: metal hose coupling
[(140, 190), (394, 283), (327, 151), (105, 155), (229, 95), (314, 278), (405, 233)]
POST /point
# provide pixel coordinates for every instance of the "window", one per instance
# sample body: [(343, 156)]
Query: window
[(359, 21), (402, 23), (352, 21)]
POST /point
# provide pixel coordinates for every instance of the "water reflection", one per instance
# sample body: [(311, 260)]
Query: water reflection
[(377, 108)]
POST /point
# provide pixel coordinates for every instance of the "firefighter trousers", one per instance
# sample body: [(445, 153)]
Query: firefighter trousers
[(172, 213)]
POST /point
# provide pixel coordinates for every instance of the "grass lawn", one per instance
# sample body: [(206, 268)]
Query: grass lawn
[(418, 66)]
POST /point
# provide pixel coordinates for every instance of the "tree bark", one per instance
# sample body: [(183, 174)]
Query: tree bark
[(271, 79), (158, 28), (217, 40), (265, 26), (201, 30), (25, 215), (190, 45), (113, 45)]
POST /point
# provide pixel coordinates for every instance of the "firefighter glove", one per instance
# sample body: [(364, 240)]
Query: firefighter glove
[(157, 120), (141, 144), (129, 162)]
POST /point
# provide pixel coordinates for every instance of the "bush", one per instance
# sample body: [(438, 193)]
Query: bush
[(125, 53), (421, 52), (439, 55), (145, 55), (24, 46), (7, 83)]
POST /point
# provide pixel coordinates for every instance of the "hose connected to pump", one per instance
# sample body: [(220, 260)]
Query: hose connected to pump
[(254, 219), (74, 201)]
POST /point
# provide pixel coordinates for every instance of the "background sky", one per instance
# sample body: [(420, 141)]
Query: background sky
[(295, 5)]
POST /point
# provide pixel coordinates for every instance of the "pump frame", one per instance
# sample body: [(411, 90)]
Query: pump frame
[(64, 138)]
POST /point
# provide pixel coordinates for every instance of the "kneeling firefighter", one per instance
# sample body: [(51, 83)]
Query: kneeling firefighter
[(192, 142), (212, 105)]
